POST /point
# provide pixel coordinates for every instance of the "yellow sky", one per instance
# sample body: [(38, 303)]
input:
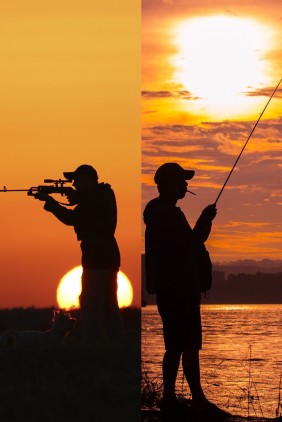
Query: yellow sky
[(69, 83), (208, 69)]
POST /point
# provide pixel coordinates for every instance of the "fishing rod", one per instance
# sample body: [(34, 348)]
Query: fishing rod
[(252, 131)]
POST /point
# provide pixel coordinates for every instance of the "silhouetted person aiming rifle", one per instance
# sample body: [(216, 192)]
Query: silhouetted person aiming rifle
[(94, 220), (173, 260)]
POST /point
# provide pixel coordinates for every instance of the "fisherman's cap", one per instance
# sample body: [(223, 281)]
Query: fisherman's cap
[(84, 169), (169, 171)]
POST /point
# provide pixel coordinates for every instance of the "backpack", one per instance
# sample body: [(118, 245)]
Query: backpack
[(150, 275), (204, 265)]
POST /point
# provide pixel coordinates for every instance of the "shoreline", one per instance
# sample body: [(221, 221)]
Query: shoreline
[(153, 414)]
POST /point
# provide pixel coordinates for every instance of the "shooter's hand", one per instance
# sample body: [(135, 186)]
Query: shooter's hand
[(209, 212), (42, 196), (73, 197)]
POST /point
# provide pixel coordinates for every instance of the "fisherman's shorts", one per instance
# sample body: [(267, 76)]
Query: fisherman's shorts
[(182, 327)]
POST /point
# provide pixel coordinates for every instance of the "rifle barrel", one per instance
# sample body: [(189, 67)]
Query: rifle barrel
[(14, 190)]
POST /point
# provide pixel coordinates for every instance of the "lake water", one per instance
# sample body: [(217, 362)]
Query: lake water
[(241, 359)]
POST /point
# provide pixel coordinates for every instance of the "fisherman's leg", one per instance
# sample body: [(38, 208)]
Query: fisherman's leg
[(191, 369), (169, 313), (113, 319), (191, 366), (203, 408), (170, 367), (192, 344)]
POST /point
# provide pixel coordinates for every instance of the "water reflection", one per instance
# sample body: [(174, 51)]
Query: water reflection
[(241, 356)]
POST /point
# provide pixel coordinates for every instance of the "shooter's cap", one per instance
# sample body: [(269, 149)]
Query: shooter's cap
[(172, 171), (84, 169)]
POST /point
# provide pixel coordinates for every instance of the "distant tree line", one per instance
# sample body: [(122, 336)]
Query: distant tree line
[(40, 319), (247, 288)]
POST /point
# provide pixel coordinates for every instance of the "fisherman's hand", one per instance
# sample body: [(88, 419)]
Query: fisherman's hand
[(42, 196), (209, 212)]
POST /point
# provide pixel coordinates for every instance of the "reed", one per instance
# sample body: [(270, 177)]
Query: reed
[(151, 390), (279, 404), (250, 393)]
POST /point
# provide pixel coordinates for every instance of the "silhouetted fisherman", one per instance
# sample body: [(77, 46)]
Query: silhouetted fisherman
[(171, 248), (94, 220)]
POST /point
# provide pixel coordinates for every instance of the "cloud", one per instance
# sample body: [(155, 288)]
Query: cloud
[(274, 141), (249, 210), (248, 241), (229, 7), (248, 222), (223, 136), (184, 95), (264, 92), (213, 147), (156, 94)]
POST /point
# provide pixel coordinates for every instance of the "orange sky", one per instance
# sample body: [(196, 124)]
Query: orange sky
[(208, 69), (70, 89)]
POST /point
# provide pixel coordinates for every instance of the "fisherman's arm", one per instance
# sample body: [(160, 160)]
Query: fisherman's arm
[(203, 225)]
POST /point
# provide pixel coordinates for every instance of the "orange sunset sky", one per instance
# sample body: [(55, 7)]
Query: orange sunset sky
[(70, 94), (208, 69)]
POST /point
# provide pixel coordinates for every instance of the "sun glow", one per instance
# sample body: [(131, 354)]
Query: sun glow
[(220, 60), (69, 289)]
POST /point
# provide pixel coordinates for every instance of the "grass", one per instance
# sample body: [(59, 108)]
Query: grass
[(279, 402), (151, 390), (72, 383), (252, 397), (69, 384), (151, 393)]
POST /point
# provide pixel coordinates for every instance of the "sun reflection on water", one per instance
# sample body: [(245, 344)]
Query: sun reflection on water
[(229, 330)]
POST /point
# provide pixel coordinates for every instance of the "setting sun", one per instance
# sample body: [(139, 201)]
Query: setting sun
[(219, 61), (125, 291), (70, 287)]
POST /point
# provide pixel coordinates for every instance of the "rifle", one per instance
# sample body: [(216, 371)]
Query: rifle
[(56, 187)]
